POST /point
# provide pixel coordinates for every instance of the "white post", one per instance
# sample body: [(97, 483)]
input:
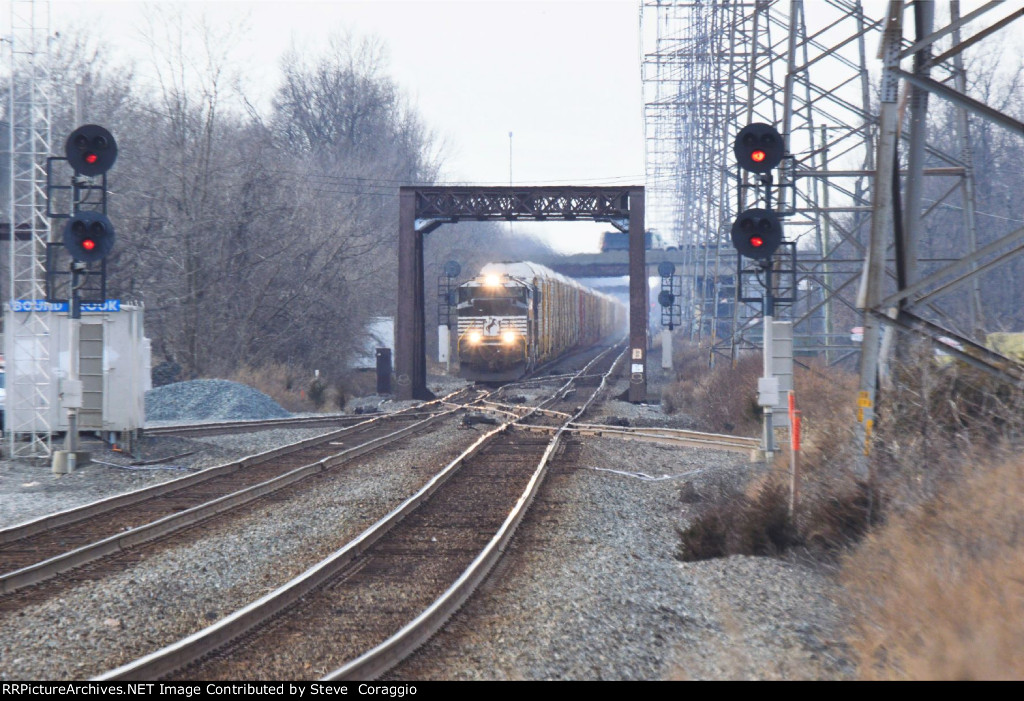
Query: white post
[(444, 346), (666, 349), (766, 399)]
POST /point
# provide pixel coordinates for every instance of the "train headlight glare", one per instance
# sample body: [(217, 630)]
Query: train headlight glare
[(492, 280), (475, 337), (508, 336)]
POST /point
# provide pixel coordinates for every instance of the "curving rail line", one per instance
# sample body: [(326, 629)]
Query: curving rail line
[(350, 563), (37, 550), (212, 428)]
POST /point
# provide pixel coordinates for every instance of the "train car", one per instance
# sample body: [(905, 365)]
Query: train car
[(514, 317)]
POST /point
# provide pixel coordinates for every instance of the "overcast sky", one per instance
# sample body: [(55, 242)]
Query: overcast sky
[(563, 77)]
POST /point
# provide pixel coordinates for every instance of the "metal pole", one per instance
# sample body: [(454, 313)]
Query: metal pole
[(639, 304), (873, 276), (826, 248), (924, 14), (510, 173), (967, 157), (767, 319), (66, 461), (410, 319)]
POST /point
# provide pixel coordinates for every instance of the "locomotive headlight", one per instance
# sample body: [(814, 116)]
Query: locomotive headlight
[(492, 280), (508, 337), (474, 337)]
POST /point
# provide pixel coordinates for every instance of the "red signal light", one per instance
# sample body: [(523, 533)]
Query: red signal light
[(758, 148), (756, 241), (90, 150), (89, 236)]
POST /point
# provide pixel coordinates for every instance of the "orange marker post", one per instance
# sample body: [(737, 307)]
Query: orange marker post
[(794, 454)]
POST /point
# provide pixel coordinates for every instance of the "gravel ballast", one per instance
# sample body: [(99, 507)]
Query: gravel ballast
[(99, 625), (590, 588), (198, 400)]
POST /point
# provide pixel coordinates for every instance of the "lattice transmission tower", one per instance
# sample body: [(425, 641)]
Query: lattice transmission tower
[(711, 68), (30, 371), (879, 191)]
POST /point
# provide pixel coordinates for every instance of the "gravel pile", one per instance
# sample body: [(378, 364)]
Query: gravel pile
[(215, 400)]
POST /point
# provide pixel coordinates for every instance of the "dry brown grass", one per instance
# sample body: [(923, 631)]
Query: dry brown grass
[(939, 591), (281, 383), (932, 418), (297, 390), (833, 509), (722, 399)]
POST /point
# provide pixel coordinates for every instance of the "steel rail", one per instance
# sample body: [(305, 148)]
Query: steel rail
[(383, 657), (213, 427), (79, 513), (673, 436), (37, 572), (33, 574), (177, 655), (242, 426)]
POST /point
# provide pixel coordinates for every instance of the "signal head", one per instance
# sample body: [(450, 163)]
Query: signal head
[(666, 298), (91, 150), (756, 233), (759, 147), (89, 236), (452, 268)]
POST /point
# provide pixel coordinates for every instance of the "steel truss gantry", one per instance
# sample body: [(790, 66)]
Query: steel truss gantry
[(422, 210), (29, 371), (920, 302)]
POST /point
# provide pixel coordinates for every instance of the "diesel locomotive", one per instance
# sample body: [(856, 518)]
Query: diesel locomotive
[(514, 317)]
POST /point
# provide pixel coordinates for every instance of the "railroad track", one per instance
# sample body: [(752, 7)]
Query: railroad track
[(38, 550), (673, 436), (371, 603), (213, 428)]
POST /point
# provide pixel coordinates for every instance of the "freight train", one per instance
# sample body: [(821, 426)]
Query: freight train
[(514, 317)]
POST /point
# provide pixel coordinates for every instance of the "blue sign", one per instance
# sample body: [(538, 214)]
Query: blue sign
[(41, 305)]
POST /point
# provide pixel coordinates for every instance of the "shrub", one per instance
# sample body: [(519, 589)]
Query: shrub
[(834, 508), (741, 524), (722, 399), (278, 381), (317, 391)]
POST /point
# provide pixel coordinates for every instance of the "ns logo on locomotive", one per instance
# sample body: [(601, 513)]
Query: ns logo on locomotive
[(514, 317)]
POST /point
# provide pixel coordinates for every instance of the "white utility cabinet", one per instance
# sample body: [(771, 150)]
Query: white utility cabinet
[(114, 370)]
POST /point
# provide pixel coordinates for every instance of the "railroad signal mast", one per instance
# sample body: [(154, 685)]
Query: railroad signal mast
[(88, 237), (756, 234), (671, 311)]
